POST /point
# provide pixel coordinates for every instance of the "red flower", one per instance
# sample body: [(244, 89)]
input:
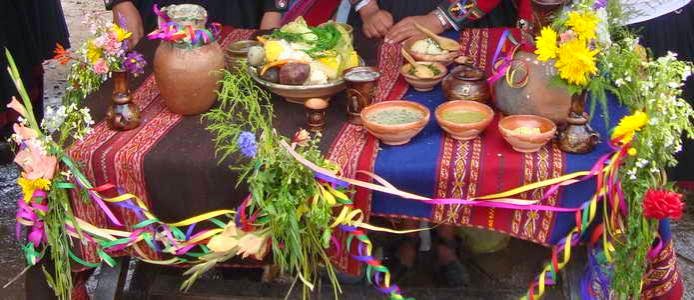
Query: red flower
[(661, 204), (61, 55)]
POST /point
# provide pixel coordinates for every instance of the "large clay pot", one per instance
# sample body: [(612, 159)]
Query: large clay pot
[(538, 96), (188, 76)]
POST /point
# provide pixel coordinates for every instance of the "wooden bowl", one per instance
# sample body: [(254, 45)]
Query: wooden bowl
[(464, 131), (399, 134), (445, 59), (527, 143), (424, 84)]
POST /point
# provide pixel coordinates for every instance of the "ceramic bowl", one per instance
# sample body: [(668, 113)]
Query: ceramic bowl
[(527, 143), (424, 84), (445, 59), (464, 131), (399, 134)]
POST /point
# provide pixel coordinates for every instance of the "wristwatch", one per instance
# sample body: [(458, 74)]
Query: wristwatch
[(109, 4)]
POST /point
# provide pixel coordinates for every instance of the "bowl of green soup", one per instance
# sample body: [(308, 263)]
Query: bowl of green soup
[(395, 122), (464, 120)]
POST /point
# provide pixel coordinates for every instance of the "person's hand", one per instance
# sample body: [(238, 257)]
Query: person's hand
[(406, 28), (133, 20), (271, 20), (376, 21)]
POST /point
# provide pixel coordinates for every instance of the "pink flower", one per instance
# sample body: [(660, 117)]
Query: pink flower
[(35, 163), (18, 107), (100, 66)]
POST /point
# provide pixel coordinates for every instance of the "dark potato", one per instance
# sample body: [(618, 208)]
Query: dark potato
[(272, 75), (294, 73)]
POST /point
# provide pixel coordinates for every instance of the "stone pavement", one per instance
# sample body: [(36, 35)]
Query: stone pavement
[(509, 281)]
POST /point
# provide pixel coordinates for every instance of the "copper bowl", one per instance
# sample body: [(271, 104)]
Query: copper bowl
[(531, 142), (424, 84), (399, 134), (445, 59), (464, 131)]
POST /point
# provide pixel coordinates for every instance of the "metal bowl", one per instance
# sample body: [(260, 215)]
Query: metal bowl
[(300, 93)]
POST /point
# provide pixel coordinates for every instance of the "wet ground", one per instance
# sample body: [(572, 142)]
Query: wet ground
[(503, 275)]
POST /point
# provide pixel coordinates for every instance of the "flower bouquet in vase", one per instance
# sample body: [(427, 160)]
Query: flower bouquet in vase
[(571, 45), (103, 55)]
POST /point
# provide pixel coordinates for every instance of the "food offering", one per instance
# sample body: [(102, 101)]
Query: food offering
[(395, 122), (527, 133), (298, 61), (464, 120), (429, 49)]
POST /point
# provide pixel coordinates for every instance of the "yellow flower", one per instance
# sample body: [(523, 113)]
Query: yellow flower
[(632, 151), (30, 186), (628, 125), (576, 62), (121, 34), (583, 23), (546, 44), (93, 52)]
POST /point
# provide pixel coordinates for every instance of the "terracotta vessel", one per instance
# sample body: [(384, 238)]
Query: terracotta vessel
[(424, 84), (530, 142), (466, 82), (538, 96), (123, 114), (543, 12), (464, 131), (315, 113), (399, 134), (445, 59), (577, 136), (188, 76), (361, 86)]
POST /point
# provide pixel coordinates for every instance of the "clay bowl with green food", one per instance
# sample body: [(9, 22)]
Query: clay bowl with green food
[(395, 122), (464, 120), (422, 84)]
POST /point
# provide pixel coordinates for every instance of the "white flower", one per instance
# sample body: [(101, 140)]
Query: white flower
[(640, 163), (653, 121), (619, 82), (674, 85), (632, 174)]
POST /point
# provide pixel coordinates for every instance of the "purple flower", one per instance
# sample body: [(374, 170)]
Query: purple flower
[(599, 4), (134, 63), (247, 144)]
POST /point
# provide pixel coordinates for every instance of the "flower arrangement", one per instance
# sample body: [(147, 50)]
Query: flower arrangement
[(44, 204), (105, 52), (572, 43)]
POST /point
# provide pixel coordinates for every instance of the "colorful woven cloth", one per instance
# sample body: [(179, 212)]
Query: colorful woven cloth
[(118, 157), (434, 165)]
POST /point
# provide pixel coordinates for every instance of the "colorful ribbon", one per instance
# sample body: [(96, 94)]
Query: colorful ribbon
[(172, 31)]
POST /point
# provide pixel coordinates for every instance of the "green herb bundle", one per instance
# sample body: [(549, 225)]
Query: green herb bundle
[(285, 194)]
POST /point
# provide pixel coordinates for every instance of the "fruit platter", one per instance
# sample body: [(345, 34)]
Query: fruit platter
[(299, 62)]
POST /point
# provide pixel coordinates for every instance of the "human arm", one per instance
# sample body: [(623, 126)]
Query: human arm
[(272, 13), (376, 22), (127, 11)]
